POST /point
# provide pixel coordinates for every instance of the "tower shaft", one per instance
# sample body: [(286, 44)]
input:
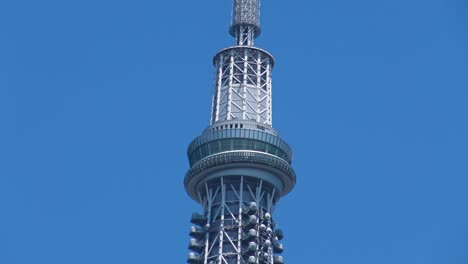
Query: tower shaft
[(237, 231), (239, 166)]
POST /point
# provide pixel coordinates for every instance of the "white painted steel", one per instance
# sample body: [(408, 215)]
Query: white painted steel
[(243, 87), (225, 204)]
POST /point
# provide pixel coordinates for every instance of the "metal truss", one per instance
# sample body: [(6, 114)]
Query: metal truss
[(243, 85), (245, 35), (238, 227)]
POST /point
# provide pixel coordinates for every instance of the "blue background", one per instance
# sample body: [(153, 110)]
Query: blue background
[(99, 100)]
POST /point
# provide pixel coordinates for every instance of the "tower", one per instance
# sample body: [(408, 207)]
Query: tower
[(239, 166)]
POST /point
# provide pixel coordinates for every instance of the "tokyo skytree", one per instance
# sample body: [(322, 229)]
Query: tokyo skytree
[(239, 166)]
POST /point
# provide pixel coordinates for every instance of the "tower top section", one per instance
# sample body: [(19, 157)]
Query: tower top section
[(245, 25), (242, 96)]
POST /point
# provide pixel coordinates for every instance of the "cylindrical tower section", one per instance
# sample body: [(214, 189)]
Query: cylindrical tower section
[(237, 226), (246, 12), (245, 25), (242, 85)]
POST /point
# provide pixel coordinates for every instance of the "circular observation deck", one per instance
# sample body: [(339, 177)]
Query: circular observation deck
[(239, 152)]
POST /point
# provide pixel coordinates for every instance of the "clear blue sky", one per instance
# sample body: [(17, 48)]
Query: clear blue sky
[(99, 100)]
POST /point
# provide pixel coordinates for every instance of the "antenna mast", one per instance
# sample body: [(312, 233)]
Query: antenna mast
[(245, 25)]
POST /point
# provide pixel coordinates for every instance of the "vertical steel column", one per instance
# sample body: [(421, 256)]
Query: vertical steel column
[(239, 231), (231, 81), (244, 86), (269, 94), (259, 85), (221, 226)]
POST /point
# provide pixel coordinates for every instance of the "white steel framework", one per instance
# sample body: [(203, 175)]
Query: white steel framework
[(243, 85), (238, 227), (239, 166)]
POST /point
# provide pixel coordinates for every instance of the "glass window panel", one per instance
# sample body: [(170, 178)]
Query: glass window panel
[(225, 144), (214, 147), (203, 151), (257, 145), (237, 144), (208, 149), (255, 135)]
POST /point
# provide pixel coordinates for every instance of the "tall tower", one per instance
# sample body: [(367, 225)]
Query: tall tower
[(239, 166)]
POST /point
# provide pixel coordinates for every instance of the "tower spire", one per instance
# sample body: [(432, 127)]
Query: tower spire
[(243, 73), (239, 166), (245, 25)]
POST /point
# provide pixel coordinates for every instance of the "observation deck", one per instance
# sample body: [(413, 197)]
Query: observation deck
[(253, 153)]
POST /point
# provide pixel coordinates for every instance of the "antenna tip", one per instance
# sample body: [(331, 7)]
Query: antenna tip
[(246, 13)]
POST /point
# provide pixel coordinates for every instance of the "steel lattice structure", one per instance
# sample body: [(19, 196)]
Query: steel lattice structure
[(243, 85), (239, 166)]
